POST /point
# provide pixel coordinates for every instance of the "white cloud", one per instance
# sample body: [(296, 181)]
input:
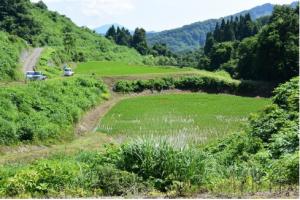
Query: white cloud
[(94, 7)]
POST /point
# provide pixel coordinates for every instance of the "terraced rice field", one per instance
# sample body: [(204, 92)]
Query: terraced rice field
[(119, 68), (180, 118)]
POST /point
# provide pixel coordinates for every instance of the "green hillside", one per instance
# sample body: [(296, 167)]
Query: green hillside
[(193, 36), (40, 27), (87, 43), (10, 49)]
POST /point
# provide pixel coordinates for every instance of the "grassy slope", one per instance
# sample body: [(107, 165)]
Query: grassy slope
[(88, 142), (45, 112), (92, 45), (122, 68), (183, 118), (10, 49)]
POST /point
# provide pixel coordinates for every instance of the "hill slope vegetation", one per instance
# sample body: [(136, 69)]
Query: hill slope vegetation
[(193, 36), (38, 26)]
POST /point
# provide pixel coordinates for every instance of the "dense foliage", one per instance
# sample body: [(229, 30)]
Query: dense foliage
[(45, 111), (10, 49), (232, 30), (197, 83), (157, 54), (236, 29), (15, 18), (121, 36), (263, 157), (191, 37), (269, 149), (270, 55)]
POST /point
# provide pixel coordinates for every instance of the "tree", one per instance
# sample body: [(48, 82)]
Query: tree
[(217, 33), (204, 63), (278, 47), (220, 53), (41, 5), (161, 49), (15, 18), (229, 34), (123, 37), (139, 41), (111, 33), (69, 41), (246, 67), (209, 43)]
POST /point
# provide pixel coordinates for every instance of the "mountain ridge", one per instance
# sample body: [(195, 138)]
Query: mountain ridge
[(193, 36)]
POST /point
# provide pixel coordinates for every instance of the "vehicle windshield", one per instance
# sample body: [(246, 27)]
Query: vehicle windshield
[(30, 73), (68, 70), (37, 73)]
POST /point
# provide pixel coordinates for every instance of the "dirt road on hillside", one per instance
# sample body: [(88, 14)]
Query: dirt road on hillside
[(89, 122), (30, 59), (86, 136)]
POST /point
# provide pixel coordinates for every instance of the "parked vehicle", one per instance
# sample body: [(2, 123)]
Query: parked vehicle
[(32, 75), (68, 72)]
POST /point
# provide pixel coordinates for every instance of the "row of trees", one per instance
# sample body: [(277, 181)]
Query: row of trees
[(271, 54), (236, 29), (231, 30), (122, 36)]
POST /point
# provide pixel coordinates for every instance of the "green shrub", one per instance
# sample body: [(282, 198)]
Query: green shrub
[(10, 50), (46, 111), (161, 163), (114, 182), (267, 153), (7, 132), (285, 171), (42, 178), (196, 83), (286, 95)]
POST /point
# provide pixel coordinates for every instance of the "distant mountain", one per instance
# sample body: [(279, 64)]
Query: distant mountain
[(103, 29), (193, 36)]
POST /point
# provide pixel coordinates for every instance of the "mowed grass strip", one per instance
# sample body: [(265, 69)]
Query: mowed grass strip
[(180, 118), (106, 68)]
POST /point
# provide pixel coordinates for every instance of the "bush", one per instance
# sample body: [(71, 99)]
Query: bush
[(43, 178), (46, 111), (7, 132), (161, 163), (114, 182), (286, 95), (285, 171), (196, 83), (10, 50)]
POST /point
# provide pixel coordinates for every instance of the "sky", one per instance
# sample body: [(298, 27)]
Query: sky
[(153, 15)]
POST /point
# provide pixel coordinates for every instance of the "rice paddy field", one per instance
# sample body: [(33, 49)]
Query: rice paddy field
[(181, 119), (107, 68)]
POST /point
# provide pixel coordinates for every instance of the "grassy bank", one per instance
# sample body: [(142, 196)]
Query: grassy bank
[(46, 111)]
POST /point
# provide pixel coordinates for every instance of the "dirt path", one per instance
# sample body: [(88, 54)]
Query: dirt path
[(91, 119), (89, 122), (86, 136), (29, 59)]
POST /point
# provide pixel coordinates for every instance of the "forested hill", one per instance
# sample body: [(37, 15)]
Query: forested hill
[(190, 37), (38, 26)]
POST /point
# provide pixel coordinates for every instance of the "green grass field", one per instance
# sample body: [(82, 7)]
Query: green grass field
[(180, 118), (105, 68)]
